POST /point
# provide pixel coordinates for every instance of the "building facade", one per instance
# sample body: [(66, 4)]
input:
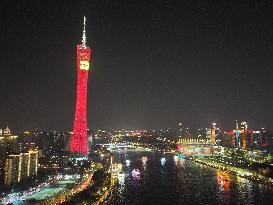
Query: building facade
[(21, 166)]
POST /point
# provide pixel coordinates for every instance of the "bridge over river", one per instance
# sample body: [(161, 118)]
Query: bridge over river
[(118, 146)]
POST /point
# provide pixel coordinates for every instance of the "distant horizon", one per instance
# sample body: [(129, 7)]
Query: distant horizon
[(129, 129)]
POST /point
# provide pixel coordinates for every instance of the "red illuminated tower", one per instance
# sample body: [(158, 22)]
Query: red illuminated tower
[(79, 136)]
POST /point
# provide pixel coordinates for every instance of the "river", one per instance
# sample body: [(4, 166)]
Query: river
[(180, 181)]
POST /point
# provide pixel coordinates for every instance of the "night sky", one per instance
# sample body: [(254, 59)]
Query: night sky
[(156, 62)]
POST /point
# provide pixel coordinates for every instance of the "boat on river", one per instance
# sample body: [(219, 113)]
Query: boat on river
[(144, 160), (136, 173)]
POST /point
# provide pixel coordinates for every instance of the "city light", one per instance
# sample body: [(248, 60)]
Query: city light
[(179, 110)]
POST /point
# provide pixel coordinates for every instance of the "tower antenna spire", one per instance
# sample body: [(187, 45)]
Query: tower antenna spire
[(84, 32)]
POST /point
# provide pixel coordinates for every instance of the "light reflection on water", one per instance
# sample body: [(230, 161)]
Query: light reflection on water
[(180, 181)]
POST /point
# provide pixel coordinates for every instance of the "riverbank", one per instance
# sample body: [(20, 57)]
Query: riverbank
[(245, 173), (105, 197), (66, 196), (87, 170)]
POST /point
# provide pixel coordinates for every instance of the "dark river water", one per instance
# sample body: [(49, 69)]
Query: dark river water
[(180, 181)]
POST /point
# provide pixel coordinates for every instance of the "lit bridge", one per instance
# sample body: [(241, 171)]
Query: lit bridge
[(118, 146)]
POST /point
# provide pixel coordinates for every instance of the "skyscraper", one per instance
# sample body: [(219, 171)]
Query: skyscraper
[(20, 166), (79, 136)]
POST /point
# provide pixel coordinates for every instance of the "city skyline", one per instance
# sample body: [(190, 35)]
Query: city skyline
[(171, 102), (177, 61)]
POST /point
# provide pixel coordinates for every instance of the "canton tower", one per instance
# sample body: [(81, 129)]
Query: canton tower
[(79, 136)]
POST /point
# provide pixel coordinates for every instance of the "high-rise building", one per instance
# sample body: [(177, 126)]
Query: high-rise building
[(79, 137), (239, 137), (13, 169), (212, 133), (244, 126), (20, 166)]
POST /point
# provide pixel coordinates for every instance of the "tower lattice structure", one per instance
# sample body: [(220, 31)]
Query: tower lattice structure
[(79, 137)]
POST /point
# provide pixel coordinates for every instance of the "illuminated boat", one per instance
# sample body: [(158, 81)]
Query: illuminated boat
[(121, 174), (115, 169), (135, 173), (223, 176), (127, 161), (144, 160), (163, 161)]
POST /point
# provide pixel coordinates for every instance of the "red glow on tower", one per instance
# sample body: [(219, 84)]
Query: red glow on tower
[(79, 136)]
